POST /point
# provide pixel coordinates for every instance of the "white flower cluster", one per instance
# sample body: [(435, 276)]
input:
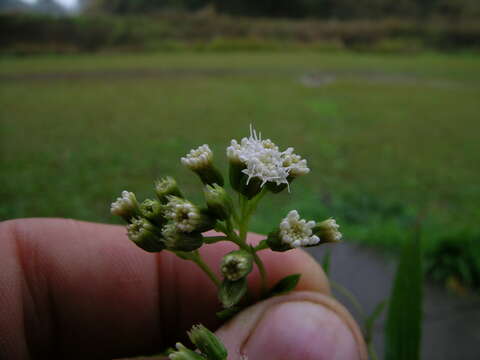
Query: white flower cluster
[(182, 213), (330, 230), (124, 204), (264, 160), (198, 158), (297, 232)]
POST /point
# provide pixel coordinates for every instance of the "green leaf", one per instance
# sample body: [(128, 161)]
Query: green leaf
[(370, 321), (287, 284), (231, 292), (404, 321), (326, 261), (228, 313)]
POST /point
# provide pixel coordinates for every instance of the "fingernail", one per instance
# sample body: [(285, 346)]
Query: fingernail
[(300, 330)]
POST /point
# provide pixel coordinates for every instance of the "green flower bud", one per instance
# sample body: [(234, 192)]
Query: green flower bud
[(236, 265), (274, 188), (218, 201), (186, 216), (236, 176), (276, 243), (200, 161), (153, 211), (126, 206), (208, 344), (145, 235), (176, 240), (166, 186), (184, 353), (327, 231)]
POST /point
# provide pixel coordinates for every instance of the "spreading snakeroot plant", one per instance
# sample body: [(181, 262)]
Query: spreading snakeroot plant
[(170, 222)]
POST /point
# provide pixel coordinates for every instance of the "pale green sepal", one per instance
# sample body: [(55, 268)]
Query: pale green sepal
[(208, 344)]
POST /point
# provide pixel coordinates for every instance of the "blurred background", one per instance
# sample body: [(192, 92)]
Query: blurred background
[(381, 96)]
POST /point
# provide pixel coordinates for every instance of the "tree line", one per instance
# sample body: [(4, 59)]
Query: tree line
[(321, 9)]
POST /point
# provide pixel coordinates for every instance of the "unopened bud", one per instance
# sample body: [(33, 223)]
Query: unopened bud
[(166, 186), (126, 206), (145, 235), (218, 201), (176, 240), (236, 265), (152, 210), (276, 243), (327, 231), (183, 353), (208, 344), (200, 161)]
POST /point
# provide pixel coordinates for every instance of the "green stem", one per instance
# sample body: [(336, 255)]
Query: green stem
[(197, 259), (342, 290), (214, 239), (261, 268), (372, 352)]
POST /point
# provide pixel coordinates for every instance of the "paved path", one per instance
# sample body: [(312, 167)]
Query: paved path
[(451, 327)]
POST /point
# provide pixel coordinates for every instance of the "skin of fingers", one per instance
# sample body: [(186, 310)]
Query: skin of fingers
[(74, 289)]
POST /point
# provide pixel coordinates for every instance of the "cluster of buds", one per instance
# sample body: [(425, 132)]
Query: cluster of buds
[(171, 222)]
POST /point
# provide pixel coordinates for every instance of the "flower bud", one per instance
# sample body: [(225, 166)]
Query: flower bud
[(145, 235), (153, 211), (166, 186), (200, 161), (275, 242), (126, 206), (236, 265), (208, 344), (176, 240), (218, 201), (183, 353), (328, 231)]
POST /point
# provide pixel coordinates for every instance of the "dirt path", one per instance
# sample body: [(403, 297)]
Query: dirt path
[(451, 327)]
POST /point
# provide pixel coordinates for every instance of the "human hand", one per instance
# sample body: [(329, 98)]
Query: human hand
[(71, 289)]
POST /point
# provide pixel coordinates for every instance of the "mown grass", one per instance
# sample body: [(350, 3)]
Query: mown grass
[(388, 138)]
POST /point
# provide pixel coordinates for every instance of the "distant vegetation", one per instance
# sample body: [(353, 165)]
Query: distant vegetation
[(31, 34)]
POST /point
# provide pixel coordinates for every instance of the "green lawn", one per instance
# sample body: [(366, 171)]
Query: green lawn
[(387, 137)]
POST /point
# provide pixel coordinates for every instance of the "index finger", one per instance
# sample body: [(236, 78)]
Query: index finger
[(76, 289)]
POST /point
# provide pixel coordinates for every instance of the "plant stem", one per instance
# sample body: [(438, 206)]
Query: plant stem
[(372, 352), (342, 290), (214, 239), (261, 268), (197, 259)]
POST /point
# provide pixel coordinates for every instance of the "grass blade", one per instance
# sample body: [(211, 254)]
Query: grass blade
[(403, 329)]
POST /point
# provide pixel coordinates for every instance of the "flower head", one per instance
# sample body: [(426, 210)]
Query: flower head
[(143, 234), (181, 241), (328, 231), (295, 165), (125, 206), (166, 186), (297, 232), (236, 265), (263, 160), (198, 158), (184, 215)]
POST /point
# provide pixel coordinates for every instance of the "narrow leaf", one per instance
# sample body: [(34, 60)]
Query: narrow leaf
[(231, 292), (371, 319), (287, 284), (228, 313), (404, 321), (326, 261)]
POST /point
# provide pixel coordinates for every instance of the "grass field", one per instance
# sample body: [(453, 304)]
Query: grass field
[(388, 138)]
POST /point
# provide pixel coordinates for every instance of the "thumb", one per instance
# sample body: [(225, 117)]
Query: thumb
[(301, 325)]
